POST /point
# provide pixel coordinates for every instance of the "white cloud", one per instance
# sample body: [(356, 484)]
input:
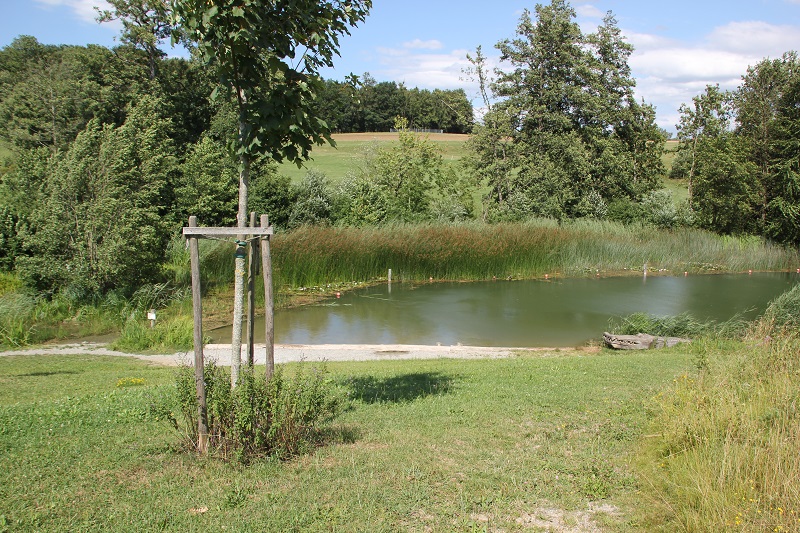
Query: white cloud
[(84, 9), (424, 70), (670, 73), (755, 37), (589, 11), (418, 44)]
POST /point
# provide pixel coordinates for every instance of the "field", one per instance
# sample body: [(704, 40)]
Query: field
[(337, 162), (485, 445)]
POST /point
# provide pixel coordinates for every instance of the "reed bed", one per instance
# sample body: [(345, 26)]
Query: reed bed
[(313, 256)]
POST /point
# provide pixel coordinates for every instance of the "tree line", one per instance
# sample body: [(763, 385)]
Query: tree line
[(364, 105)]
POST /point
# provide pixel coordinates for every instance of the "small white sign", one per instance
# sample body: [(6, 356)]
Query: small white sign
[(151, 315)]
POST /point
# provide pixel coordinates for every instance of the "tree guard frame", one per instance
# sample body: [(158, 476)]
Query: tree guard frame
[(252, 234)]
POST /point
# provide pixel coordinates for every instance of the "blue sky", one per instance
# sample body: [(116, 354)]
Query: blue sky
[(681, 45)]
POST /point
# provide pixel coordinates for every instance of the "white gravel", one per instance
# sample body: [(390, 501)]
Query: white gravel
[(286, 353)]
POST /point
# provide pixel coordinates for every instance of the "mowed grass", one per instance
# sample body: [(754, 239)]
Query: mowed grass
[(337, 162), (438, 445)]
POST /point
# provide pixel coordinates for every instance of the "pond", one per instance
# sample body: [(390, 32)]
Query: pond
[(554, 313)]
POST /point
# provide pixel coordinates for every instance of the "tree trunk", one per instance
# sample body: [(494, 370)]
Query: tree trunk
[(239, 270)]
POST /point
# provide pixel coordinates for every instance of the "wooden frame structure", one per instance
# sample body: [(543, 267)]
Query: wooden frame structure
[(252, 235)]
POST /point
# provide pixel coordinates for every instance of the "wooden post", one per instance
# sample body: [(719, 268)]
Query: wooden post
[(197, 309), (251, 295), (269, 324)]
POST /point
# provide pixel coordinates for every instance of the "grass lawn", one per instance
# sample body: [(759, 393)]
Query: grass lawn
[(337, 162), (439, 445)]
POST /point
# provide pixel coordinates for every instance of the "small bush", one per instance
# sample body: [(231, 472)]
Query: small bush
[(280, 417)]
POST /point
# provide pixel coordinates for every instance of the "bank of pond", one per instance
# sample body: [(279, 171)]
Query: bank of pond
[(516, 265)]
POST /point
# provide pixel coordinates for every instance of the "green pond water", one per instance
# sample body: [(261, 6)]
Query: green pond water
[(552, 313)]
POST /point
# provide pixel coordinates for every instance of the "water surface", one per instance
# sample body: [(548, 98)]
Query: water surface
[(556, 313)]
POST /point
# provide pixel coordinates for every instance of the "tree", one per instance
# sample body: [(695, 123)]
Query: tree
[(579, 138), (145, 25), (782, 217), (50, 92), (491, 151), (101, 224), (314, 203), (763, 106), (725, 185), (252, 44), (207, 188), (708, 117)]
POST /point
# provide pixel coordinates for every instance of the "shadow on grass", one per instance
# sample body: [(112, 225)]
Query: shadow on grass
[(402, 388), (43, 374)]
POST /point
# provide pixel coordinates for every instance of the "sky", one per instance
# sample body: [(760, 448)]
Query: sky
[(680, 46)]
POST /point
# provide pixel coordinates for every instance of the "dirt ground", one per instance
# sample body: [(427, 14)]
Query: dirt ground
[(286, 353)]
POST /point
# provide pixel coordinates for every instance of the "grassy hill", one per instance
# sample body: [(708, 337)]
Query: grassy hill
[(350, 147)]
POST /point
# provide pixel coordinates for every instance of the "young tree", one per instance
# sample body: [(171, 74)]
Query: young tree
[(490, 155), (268, 55)]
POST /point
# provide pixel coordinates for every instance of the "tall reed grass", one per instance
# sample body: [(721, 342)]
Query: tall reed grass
[(723, 450), (474, 251)]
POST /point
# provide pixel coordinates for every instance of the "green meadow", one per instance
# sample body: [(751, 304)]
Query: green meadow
[(443, 445), (700, 437), (336, 162)]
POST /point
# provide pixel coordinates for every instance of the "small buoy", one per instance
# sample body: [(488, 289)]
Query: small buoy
[(798, 270), (685, 274), (338, 294), (749, 271), (430, 279), (547, 276)]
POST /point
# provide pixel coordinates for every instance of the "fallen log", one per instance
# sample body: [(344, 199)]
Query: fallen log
[(640, 341)]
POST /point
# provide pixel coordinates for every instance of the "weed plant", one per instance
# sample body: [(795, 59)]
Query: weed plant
[(280, 417), (723, 449)]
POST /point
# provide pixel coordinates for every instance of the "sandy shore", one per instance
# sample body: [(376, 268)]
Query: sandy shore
[(286, 353)]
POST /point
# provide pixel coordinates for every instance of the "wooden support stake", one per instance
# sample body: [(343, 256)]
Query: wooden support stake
[(269, 324), (197, 309), (251, 295)]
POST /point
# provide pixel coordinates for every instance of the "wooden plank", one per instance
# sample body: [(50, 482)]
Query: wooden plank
[(251, 296), (199, 364), (269, 323), (225, 232)]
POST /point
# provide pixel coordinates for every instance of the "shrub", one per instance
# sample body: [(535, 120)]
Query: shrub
[(279, 417)]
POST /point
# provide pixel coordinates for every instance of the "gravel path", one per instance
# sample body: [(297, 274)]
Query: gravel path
[(285, 353)]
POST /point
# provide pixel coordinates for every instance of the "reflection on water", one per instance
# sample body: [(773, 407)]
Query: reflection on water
[(515, 313)]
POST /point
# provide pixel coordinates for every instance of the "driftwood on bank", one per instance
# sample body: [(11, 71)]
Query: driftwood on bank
[(640, 341)]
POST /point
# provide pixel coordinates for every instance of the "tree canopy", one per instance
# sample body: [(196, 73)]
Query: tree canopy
[(566, 135)]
